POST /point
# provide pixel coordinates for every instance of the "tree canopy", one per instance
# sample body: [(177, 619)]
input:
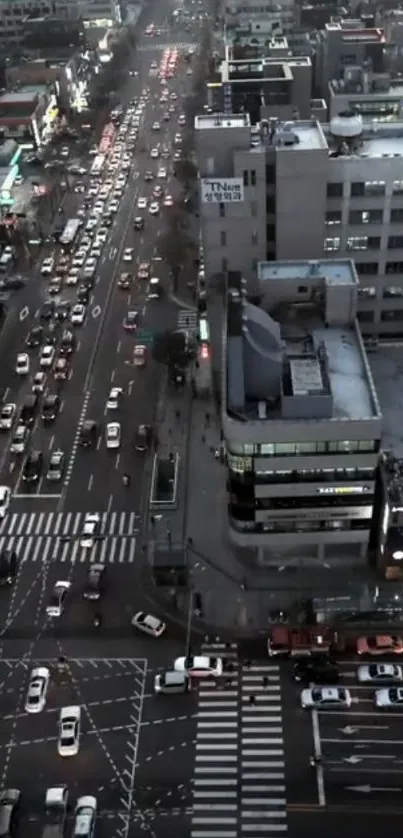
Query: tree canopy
[(170, 348)]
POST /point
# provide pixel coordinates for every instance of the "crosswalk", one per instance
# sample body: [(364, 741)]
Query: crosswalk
[(187, 320), (239, 776), (55, 537)]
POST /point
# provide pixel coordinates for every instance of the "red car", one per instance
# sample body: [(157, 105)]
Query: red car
[(380, 644), (130, 321)]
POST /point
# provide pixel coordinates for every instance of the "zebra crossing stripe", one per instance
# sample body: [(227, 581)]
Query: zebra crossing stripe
[(111, 550), (66, 524), (187, 320)]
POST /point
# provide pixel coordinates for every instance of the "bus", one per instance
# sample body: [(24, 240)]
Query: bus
[(70, 231), (98, 164)]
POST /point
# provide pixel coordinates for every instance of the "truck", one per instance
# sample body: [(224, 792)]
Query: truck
[(284, 641), (56, 801)]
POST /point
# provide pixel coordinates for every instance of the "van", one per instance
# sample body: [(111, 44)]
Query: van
[(171, 683)]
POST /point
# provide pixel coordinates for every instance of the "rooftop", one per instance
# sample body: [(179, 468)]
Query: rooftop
[(299, 354), (220, 120), (387, 370), (301, 135), (18, 98), (376, 140)]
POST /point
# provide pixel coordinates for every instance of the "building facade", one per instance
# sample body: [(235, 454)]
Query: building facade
[(300, 417), (13, 14)]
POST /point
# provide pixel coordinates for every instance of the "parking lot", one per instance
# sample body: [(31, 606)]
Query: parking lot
[(110, 693)]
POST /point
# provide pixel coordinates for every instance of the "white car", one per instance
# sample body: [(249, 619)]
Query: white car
[(7, 415), (19, 440), (57, 601), (140, 355), (113, 206), (113, 435), (114, 398), (128, 254), (91, 525), (72, 276), (22, 364), (102, 234), (154, 208), (325, 698), (85, 244), (78, 315), (156, 126), (79, 259), (199, 666), (98, 207), (96, 250), (162, 173), (39, 381), (380, 673), (47, 266), (148, 624), (154, 153), (85, 817), (47, 356), (168, 201), (89, 268), (69, 731), (37, 689), (5, 500), (142, 203), (392, 697), (182, 120)]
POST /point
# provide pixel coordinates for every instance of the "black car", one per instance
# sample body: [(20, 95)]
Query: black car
[(8, 567), (29, 410), (138, 223), (33, 467), (12, 283), (83, 294), (95, 583), (48, 310), (35, 337), (88, 434), (107, 220), (62, 310), (50, 407), (316, 669), (67, 344), (148, 177), (143, 438)]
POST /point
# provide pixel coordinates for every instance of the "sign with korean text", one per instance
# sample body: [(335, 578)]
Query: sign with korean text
[(222, 191)]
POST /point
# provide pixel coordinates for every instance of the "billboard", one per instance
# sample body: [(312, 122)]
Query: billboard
[(222, 191)]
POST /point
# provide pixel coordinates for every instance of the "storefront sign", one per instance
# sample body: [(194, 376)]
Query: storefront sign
[(220, 191)]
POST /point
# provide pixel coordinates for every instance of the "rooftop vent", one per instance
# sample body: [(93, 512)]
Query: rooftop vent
[(347, 125)]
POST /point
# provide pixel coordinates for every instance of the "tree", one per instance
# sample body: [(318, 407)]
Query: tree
[(185, 171), (170, 348)]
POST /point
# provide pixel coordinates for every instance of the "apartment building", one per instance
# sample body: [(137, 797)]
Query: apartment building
[(14, 12), (277, 17), (301, 190), (300, 417), (347, 43)]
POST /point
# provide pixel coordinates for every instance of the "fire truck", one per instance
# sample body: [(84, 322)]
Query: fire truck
[(287, 642)]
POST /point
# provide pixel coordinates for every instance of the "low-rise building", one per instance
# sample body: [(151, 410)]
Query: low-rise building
[(65, 72), (300, 417), (23, 115), (376, 96)]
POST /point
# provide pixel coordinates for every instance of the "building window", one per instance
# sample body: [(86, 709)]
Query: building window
[(270, 232), (367, 268), (367, 293), (245, 177), (394, 268), (333, 218), (254, 237), (253, 209), (357, 190), (334, 190), (398, 187), (270, 173), (222, 210), (365, 316), (363, 243), (395, 242), (270, 204), (391, 292), (366, 217), (396, 315), (374, 187), (223, 238), (224, 265), (332, 244), (253, 177), (396, 215)]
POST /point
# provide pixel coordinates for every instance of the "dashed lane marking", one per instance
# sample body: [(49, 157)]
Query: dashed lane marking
[(184, 718), (166, 751)]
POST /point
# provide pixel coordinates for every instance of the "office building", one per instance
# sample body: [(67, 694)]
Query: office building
[(272, 18), (300, 417), (347, 43), (376, 96), (301, 190), (12, 15)]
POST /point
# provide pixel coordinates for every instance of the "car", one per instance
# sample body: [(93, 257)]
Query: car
[(155, 153), (102, 234), (91, 526), (62, 310), (162, 173), (177, 156), (114, 398), (50, 407), (138, 223), (148, 176), (182, 120), (130, 321), (142, 438), (7, 416), (95, 583), (10, 800), (47, 356), (8, 567), (380, 644), (325, 698), (48, 266), (33, 467), (380, 673), (125, 281), (79, 259), (113, 206), (20, 439), (68, 744), (89, 268), (144, 270), (156, 126), (55, 285), (389, 697), (166, 116), (140, 355), (113, 434), (88, 434), (148, 624), (83, 293), (154, 208), (96, 251), (22, 364), (199, 666), (67, 343), (154, 289), (39, 381), (168, 201), (79, 188), (85, 817), (72, 276), (317, 669), (128, 254), (34, 337), (158, 191), (78, 315), (37, 689), (56, 466), (98, 208), (142, 203), (57, 600)]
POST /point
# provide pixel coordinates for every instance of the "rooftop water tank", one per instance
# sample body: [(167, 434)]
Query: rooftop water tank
[(347, 125)]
